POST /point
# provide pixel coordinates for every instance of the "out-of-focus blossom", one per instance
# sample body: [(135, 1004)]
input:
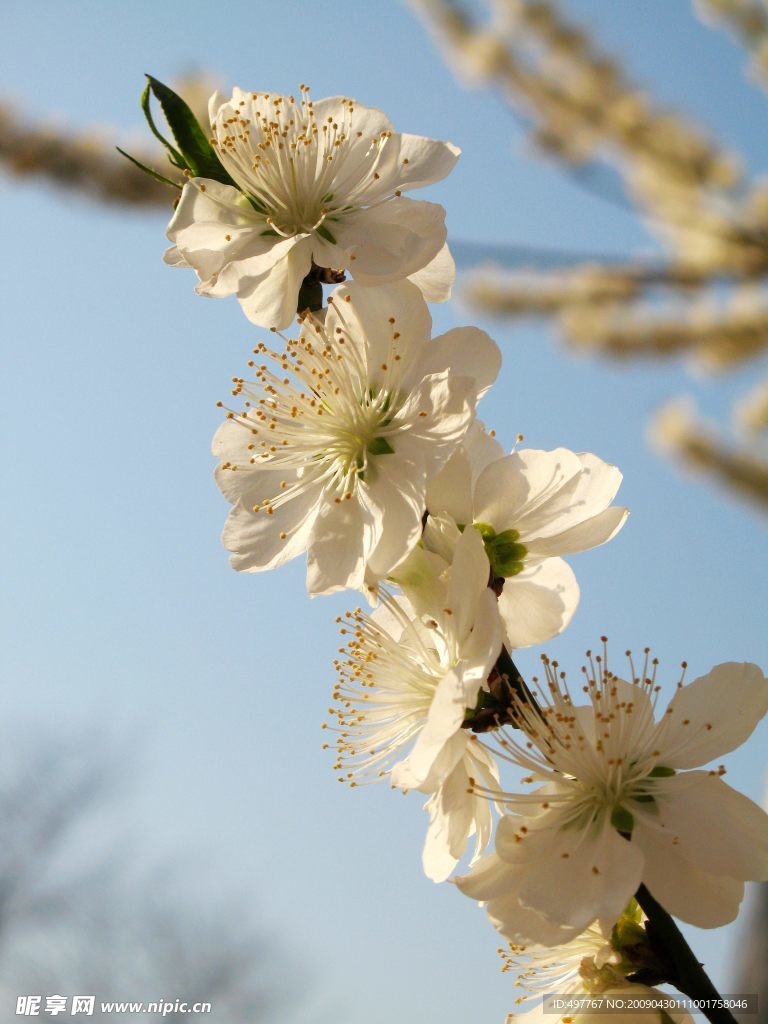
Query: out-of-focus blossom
[(678, 432), (751, 412)]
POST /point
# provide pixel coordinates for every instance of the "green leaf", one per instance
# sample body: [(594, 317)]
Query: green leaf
[(148, 170), (326, 234), (661, 772), (175, 156), (380, 446), (197, 152)]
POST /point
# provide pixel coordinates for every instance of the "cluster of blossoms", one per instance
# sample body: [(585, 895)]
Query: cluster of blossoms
[(357, 442)]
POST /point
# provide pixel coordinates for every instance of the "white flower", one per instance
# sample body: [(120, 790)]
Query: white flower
[(587, 966), (619, 807), (531, 507), (332, 453), (317, 183), (405, 686), (588, 963)]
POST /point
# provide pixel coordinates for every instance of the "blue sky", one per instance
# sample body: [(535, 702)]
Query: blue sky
[(122, 615)]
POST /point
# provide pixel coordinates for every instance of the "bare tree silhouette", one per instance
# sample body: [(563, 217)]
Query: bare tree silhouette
[(76, 918)]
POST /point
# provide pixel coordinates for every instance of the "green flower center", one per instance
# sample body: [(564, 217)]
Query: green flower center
[(506, 556)]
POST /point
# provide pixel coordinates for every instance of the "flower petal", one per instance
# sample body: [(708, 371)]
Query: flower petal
[(439, 410), (469, 352), (539, 602), (450, 491), (231, 440), (494, 882), (714, 714), (424, 161), (489, 879), (468, 581), (719, 830), (343, 535), (440, 743), (421, 577), (455, 815), (353, 176), (588, 492), (577, 876), (269, 297), (441, 535), (173, 258), (255, 538), (521, 484), (483, 646), (682, 888), (435, 281), (392, 240), (253, 486), (212, 225), (372, 316), (395, 494), (590, 534)]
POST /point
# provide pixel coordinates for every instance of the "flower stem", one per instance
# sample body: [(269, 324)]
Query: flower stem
[(688, 975), (311, 291)]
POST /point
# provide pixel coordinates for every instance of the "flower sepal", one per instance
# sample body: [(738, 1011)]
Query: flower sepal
[(642, 961), (504, 553)]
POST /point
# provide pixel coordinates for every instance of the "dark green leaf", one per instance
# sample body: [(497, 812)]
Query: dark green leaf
[(148, 170), (175, 156), (196, 150)]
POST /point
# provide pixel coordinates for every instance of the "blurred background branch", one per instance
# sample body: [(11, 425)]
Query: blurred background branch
[(88, 162), (707, 299)]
